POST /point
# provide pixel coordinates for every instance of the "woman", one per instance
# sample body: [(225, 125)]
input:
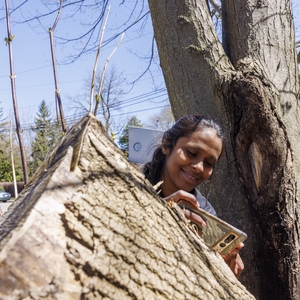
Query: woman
[(186, 157)]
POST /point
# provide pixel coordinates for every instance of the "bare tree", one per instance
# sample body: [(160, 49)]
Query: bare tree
[(12, 76), (58, 101), (249, 83), (112, 94), (162, 120), (99, 97)]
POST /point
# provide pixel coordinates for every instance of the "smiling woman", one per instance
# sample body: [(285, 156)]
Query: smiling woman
[(185, 158)]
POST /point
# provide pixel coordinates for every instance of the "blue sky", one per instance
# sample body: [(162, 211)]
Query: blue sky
[(33, 69), (32, 61)]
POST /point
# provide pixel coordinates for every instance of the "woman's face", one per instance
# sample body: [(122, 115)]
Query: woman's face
[(191, 161)]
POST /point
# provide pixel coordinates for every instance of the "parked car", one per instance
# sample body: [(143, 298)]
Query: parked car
[(4, 196)]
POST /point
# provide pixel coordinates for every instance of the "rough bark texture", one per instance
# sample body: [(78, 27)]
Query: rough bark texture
[(251, 88), (266, 133), (265, 46), (264, 157), (89, 226)]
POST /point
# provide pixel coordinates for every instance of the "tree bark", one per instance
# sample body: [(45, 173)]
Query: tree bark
[(89, 226), (251, 88)]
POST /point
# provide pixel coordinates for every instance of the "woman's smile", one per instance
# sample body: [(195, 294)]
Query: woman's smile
[(189, 176)]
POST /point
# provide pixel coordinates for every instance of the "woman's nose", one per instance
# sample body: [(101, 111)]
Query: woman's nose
[(198, 166)]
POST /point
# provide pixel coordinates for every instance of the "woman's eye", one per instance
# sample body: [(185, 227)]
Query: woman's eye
[(191, 153), (209, 164)]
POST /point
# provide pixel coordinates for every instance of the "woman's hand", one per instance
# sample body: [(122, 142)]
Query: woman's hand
[(233, 258), (182, 195), (188, 197), (234, 261)]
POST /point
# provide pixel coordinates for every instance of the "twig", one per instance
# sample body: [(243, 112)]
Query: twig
[(96, 61), (98, 96), (57, 90)]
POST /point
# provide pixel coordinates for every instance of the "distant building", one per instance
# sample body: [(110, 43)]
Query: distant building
[(142, 143)]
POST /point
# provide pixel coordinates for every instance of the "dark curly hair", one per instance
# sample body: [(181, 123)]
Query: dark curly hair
[(182, 128)]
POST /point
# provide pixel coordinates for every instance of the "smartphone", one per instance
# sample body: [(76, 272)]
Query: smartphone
[(217, 234)]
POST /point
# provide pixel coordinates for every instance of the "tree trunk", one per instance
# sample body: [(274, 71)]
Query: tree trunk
[(252, 90), (89, 226), (12, 76)]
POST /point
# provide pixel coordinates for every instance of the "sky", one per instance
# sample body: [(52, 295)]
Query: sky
[(33, 67)]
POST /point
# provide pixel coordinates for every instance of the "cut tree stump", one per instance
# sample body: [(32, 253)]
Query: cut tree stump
[(89, 226)]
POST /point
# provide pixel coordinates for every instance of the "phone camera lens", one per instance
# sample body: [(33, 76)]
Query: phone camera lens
[(229, 239), (222, 245)]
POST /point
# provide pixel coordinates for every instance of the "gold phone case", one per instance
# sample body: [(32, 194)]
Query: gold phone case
[(217, 234)]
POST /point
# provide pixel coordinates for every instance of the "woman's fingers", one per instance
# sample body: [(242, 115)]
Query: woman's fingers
[(188, 197), (236, 264), (234, 251), (182, 195), (234, 261), (194, 218)]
